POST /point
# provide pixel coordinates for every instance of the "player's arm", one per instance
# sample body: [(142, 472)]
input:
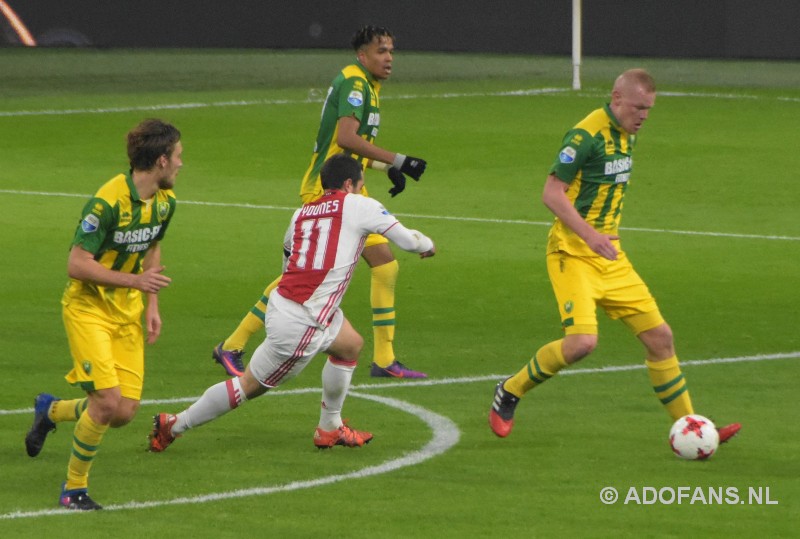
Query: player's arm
[(348, 138), (81, 265), (555, 198), (410, 240), (394, 164), (152, 259)]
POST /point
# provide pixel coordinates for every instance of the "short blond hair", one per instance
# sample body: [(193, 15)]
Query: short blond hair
[(637, 77)]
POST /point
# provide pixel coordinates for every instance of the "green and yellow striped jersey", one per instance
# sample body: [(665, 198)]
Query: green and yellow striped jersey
[(118, 227), (595, 160), (354, 92)]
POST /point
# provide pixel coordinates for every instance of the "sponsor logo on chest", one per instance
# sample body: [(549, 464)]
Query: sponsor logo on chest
[(136, 240), (618, 166)]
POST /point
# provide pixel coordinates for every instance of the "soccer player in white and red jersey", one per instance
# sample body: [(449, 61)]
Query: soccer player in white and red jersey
[(349, 124), (323, 243)]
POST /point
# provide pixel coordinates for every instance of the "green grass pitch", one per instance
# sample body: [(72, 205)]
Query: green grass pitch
[(710, 222)]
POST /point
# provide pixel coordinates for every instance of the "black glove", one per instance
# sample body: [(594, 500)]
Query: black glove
[(398, 180), (413, 166)]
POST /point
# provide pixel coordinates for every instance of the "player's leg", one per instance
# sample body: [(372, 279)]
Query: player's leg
[(215, 402), (113, 378), (548, 360), (664, 369), (628, 298), (97, 347), (574, 286), (343, 354), (87, 437), (48, 411), (662, 363), (230, 352), (282, 355), (222, 397), (384, 270)]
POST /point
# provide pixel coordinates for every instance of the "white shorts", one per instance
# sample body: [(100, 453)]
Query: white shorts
[(293, 339)]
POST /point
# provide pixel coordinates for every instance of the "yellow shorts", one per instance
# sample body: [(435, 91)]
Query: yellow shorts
[(581, 284), (105, 354), (311, 196)]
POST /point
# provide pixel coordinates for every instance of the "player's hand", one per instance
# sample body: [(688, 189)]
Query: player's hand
[(413, 166), (153, 322), (151, 280), (428, 254), (602, 245), (398, 180)]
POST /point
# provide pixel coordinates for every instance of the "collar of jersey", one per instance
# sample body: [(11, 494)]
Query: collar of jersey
[(134, 193), (367, 75)]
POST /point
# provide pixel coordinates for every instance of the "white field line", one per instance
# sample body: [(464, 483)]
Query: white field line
[(432, 217), (445, 435), (315, 97), (472, 379)]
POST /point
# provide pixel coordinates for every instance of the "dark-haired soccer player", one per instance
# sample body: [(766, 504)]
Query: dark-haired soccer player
[(586, 263), (349, 124), (115, 257), (322, 245)]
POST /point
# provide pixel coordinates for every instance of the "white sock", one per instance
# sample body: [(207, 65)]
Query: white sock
[(335, 382), (217, 400)]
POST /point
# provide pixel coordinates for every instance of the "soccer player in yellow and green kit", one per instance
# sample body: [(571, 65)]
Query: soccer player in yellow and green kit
[(586, 263), (349, 124), (115, 257)]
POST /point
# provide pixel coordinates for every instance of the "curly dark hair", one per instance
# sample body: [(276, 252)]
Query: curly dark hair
[(366, 34)]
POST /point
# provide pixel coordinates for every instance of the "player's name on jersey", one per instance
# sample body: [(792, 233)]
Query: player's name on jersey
[(324, 208)]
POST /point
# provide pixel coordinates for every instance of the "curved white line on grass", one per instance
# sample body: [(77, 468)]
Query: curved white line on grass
[(445, 436), (434, 217)]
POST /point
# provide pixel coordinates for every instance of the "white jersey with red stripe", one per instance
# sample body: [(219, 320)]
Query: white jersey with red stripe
[(325, 239)]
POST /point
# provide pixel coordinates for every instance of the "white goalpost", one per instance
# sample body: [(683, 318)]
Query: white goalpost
[(576, 44)]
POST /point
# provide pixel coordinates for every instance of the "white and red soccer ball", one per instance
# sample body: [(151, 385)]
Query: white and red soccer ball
[(694, 437)]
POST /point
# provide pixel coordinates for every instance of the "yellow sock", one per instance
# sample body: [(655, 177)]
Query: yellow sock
[(670, 386), (547, 361), (384, 279), (252, 322), (67, 410), (85, 442)]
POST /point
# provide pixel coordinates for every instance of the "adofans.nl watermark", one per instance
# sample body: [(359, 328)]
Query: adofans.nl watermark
[(689, 496)]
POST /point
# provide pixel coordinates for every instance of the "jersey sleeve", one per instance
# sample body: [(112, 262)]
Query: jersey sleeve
[(576, 149), (97, 220), (373, 218), (288, 239), (353, 96), (407, 239), (378, 220)]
